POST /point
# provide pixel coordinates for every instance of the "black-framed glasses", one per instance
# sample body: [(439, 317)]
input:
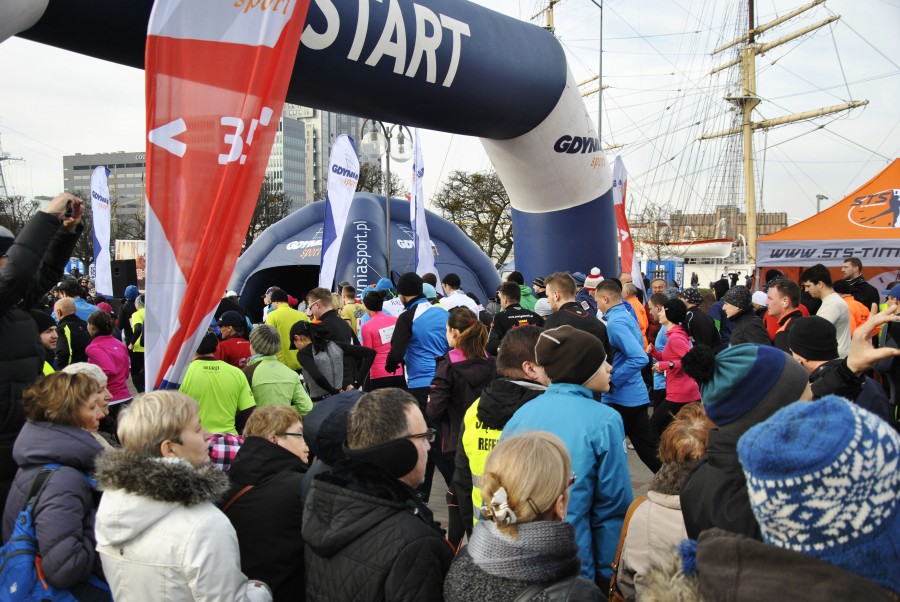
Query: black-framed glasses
[(428, 435), (290, 435)]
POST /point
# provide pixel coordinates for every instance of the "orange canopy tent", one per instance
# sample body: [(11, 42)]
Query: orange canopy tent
[(866, 224)]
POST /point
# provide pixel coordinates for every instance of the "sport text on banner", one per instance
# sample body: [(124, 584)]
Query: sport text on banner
[(216, 77), (343, 175), (424, 254), (100, 218)]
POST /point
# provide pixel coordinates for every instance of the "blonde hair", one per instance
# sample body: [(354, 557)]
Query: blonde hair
[(533, 468), (270, 421), (58, 397), (685, 439), (155, 417)]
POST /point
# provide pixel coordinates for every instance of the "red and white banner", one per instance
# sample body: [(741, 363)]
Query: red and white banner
[(217, 75), (630, 262)]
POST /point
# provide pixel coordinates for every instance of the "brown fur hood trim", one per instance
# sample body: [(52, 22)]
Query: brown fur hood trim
[(163, 479), (667, 583)]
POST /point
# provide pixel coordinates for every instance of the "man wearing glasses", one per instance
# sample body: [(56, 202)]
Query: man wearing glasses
[(368, 536)]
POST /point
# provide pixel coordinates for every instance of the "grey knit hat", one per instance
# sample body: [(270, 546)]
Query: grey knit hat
[(739, 296), (265, 340)]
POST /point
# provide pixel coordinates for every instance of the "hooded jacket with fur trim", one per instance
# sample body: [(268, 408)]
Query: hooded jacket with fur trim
[(158, 531), (728, 566)]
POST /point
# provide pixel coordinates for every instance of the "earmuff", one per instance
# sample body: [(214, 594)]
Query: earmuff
[(397, 457)]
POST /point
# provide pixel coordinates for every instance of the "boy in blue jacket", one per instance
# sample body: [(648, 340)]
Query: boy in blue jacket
[(575, 363)]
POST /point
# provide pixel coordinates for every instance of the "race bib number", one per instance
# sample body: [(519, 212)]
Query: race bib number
[(386, 334)]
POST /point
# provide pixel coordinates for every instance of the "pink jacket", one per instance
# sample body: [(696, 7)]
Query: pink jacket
[(680, 388), (375, 332), (111, 355)]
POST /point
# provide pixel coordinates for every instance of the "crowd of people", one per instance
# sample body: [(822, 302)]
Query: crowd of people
[(297, 459)]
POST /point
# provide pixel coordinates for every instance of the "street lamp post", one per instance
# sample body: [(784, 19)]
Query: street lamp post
[(819, 199), (375, 141)]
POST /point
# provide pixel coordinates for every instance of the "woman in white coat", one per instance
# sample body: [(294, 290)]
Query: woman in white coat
[(158, 533)]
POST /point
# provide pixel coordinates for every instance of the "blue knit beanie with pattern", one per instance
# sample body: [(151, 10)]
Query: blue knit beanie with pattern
[(823, 479)]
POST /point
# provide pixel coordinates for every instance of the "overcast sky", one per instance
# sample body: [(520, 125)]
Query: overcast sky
[(55, 103)]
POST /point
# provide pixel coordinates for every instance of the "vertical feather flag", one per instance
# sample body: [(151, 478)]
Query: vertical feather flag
[(217, 75), (630, 263), (424, 254), (343, 175)]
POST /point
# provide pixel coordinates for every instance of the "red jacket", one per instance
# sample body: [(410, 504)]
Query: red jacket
[(680, 388)]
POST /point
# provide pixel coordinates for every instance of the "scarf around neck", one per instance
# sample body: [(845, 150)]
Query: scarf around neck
[(543, 551)]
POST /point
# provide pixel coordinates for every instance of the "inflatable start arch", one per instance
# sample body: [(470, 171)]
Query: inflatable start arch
[(446, 65)]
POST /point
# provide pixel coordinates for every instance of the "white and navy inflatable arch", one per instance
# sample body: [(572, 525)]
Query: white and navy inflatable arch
[(446, 65), (288, 253)]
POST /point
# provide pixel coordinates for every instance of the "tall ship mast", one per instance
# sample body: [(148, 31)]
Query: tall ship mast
[(746, 100)]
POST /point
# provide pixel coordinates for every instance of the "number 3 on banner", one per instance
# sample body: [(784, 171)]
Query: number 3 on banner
[(236, 140)]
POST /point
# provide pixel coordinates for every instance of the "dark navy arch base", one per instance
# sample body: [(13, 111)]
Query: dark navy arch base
[(569, 240)]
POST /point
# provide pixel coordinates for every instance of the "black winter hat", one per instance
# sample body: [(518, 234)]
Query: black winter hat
[(720, 287), (43, 320), (410, 284), (569, 355), (676, 310), (813, 338)]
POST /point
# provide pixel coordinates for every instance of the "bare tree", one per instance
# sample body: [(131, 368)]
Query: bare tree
[(272, 205), (15, 211), (371, 178), (654, 233), (479, 205)]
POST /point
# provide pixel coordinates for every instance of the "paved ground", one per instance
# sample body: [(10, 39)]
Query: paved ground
[(640, 481)]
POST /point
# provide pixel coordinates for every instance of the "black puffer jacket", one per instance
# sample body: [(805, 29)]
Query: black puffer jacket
[(367, 539), (748, 329), (71, 346), (715, 492), (34, 263), (268, 519)]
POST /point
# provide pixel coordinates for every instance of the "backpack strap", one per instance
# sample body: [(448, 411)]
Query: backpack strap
[(615, 564), (249, 370), (235, 498), (37, 486)]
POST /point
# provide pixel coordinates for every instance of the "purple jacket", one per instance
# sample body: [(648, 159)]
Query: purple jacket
[(64, 513), (111, 356)]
